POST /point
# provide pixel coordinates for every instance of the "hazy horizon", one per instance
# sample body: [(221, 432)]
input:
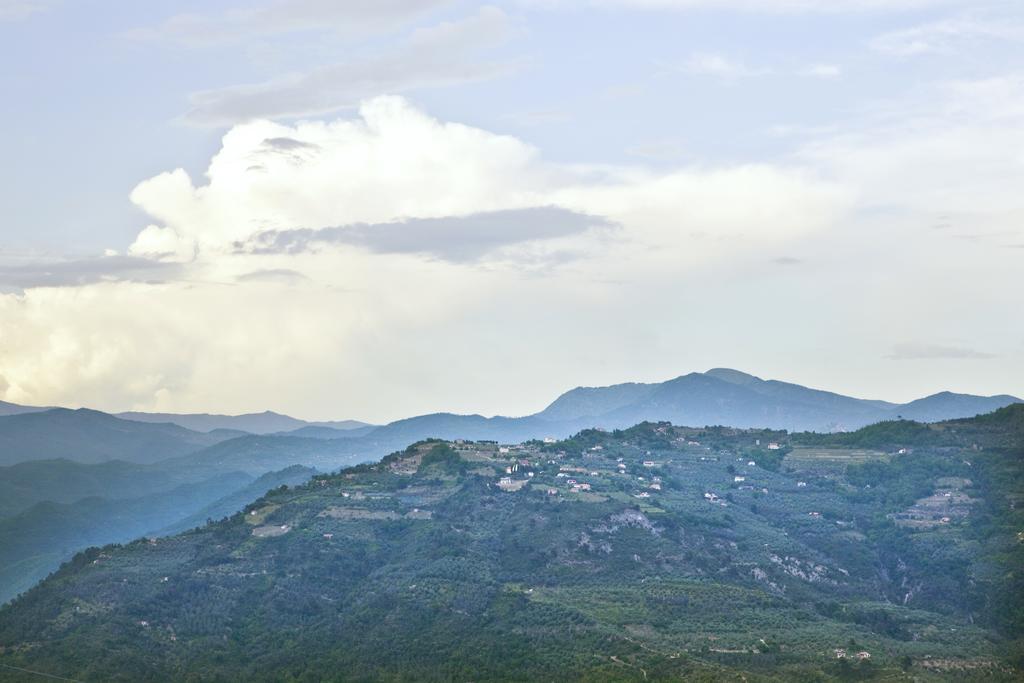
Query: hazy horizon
[(545, 402)]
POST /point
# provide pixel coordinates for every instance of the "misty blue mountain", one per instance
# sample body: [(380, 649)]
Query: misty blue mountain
[(175, 471)]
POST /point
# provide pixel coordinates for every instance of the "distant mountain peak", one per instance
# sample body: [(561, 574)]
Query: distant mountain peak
[(733, 376)]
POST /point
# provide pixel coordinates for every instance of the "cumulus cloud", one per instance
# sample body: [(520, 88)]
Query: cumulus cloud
[(445, 54), (391, 162), (398, 178), (157, 243), (378, 247), (362, 236)]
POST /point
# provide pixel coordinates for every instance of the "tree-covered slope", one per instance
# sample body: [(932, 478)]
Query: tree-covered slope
[(63, 481), (714, 554), (89, 436), (238, 499), (36, 541)]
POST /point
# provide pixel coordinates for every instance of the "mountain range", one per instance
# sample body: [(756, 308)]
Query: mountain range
[(650, 553), (723, 396), (719, 396), (267, 422), (59, 463), (269, 441)]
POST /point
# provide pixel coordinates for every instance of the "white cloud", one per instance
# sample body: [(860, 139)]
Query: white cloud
[(948, 148), (370, 312), (162, 244), (391, 162), (395, 163), (445, 54)]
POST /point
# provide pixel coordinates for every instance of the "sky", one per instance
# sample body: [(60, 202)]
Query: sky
[(372, 209)]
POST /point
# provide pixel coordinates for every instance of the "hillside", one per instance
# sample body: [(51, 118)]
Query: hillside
[(63, 481), (947, 405), (236, 500), (36, 541), (704, 554), (89, 436), (259, 454), (52, 509)]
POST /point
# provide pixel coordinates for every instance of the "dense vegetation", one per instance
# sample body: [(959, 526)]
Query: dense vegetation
[(698, 554), (135, 500)]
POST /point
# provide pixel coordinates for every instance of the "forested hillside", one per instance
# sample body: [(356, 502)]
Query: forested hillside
[(655, 552)]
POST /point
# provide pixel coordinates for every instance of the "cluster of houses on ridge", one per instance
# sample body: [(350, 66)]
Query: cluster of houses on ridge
[(520, 471)]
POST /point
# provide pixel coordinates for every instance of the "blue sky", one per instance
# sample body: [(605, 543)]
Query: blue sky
[(826, 192)]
